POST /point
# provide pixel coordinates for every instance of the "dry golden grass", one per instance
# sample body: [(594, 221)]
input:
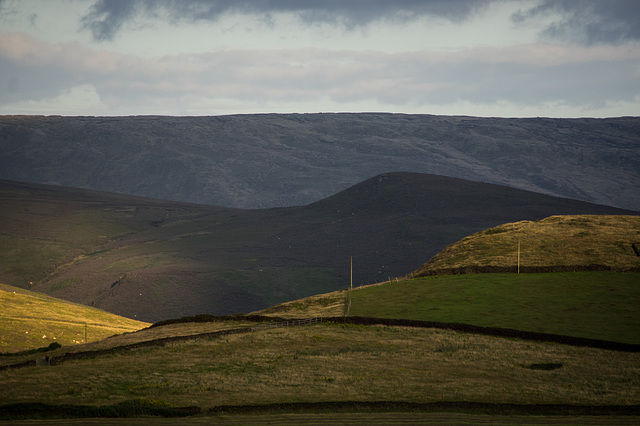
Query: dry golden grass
[(132, 337), (31, 320), (334, 362), (555, 241), (153, 333), (322, 305)]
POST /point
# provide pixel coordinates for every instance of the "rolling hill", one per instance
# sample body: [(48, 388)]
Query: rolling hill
[(152, 260), (332, 372), (31, 320), (279, 160), (556, 243), (582, 280)]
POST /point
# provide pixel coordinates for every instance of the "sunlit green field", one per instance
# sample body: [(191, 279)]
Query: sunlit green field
[(597, 305)]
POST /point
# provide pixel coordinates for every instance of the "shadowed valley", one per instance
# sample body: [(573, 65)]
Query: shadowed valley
[(152, 260)]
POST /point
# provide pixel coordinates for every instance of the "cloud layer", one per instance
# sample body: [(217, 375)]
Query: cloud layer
[(583, 21), (580, 59), (107, 17), (588, 21)]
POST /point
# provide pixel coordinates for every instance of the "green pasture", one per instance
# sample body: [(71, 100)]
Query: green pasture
[(598, 305)]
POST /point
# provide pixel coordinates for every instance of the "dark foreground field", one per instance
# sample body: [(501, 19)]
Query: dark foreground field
[(331, 364), (348, 419)]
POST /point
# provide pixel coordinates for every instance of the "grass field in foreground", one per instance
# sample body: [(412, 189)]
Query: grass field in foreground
[(597, 305), (31, 320), (337, 362), (346, 419)]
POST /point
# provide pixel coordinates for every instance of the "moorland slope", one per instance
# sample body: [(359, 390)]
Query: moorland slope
[(556, 243), (152, 260), (31, 320), (273, 160)]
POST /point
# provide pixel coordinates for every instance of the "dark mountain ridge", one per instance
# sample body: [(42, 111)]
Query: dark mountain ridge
[(152, 260), (275, 160)]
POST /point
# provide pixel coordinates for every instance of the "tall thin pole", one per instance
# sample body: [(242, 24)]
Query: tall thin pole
[(518, 255), (347, 307)]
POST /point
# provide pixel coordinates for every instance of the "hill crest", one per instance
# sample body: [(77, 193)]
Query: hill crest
[(553, 244)]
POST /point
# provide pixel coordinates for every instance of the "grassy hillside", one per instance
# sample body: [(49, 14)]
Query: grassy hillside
[(336, 362), (331, 363), (597, 305), (555, 243), (30, 320), (320, 305), (153, 260)]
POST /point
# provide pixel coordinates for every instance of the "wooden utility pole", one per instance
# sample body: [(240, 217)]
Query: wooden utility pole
[(347, 307), (351, 285), (518, 255)]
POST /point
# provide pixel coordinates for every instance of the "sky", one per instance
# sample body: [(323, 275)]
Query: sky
[(501, 58)]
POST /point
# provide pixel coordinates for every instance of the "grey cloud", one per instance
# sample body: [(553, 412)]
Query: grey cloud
[(107, 17), (362, 12), (6, 9), (588, 21)]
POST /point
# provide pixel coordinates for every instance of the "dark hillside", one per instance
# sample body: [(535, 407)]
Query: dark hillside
[(276, 160), (154, 260), (388, 222)]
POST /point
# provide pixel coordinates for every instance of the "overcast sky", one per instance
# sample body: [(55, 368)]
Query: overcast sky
[(553, 58)]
